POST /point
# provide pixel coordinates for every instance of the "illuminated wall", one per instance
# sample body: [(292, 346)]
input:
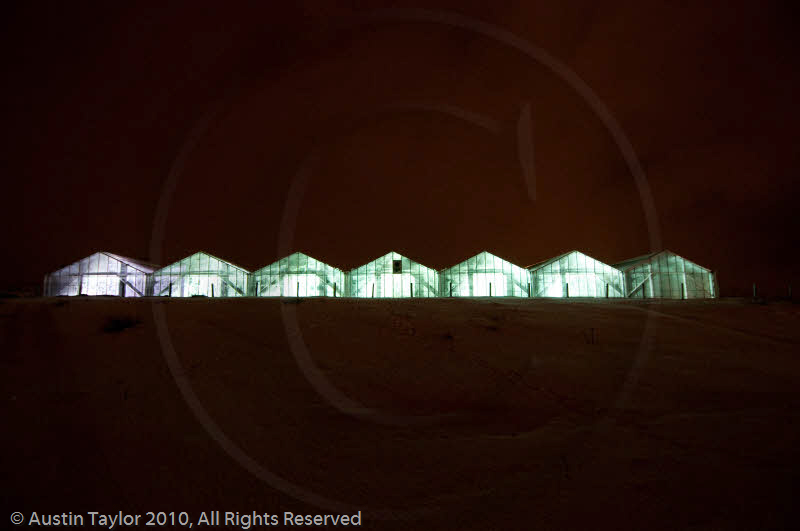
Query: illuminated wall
[(667, 275), (298, 275), (200, 274), (393, 275), (575, 274), (100, 274), (485, 275)]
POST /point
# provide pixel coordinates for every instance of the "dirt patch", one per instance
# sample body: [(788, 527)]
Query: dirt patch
[(115, 325)]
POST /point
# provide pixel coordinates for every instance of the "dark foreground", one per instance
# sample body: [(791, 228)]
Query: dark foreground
[(440, 414)]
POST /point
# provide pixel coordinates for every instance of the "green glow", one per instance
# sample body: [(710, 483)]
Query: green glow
[(667, 275), (577, 275), (485, 275), (200, 274), (574, 274), (298, 275), (382, 279)]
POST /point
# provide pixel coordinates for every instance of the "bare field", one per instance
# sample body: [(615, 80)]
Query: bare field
[(424, 414)]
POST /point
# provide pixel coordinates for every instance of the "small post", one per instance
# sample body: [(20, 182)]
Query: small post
[(490, 289), (297, 293), (412, 290), (567, 285), (258, 288), (643, 291), (715, 290), (451, 289), (529, 289), (754, 290), (606, 290), (683, 297), (334, 289), (373, 290), (170, 289), (212, 290)]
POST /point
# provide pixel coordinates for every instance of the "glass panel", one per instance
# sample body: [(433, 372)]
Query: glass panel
[(299, 275), (576, 275), (485, 275), (670, 276)]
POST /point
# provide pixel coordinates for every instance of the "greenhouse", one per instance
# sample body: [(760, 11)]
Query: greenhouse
[(667, 275), (575, 274), (393, 275), (100, 274), (485, 275), (298, 275), (200, 275)]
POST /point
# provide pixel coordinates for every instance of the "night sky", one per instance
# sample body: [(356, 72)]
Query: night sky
[(404, 130)]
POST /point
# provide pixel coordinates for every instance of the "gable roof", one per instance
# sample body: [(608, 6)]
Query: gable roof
[(487, 253), (391, 253), (289, 256), (543, 263), (210, 256), (538, 265), (141, 265), (633, 262)]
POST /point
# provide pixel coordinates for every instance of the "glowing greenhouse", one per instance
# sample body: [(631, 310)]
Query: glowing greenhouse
[(393, 275), (200, 275), (298, 275), (100, 274), (485, 275), (667, 275), (575, 274)]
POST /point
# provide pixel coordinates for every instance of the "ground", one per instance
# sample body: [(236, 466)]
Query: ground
[(423, 414)]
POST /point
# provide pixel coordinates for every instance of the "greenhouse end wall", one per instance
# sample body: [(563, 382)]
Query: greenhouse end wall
[(485, 275), (100, 274), (667, 275), (575, 274), (298, 275), (200, 275), (393, 276)]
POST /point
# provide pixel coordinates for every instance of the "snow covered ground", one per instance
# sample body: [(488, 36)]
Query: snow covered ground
[(424, 414)]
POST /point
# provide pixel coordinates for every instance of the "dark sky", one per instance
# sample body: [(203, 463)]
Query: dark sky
[(387, 120)]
